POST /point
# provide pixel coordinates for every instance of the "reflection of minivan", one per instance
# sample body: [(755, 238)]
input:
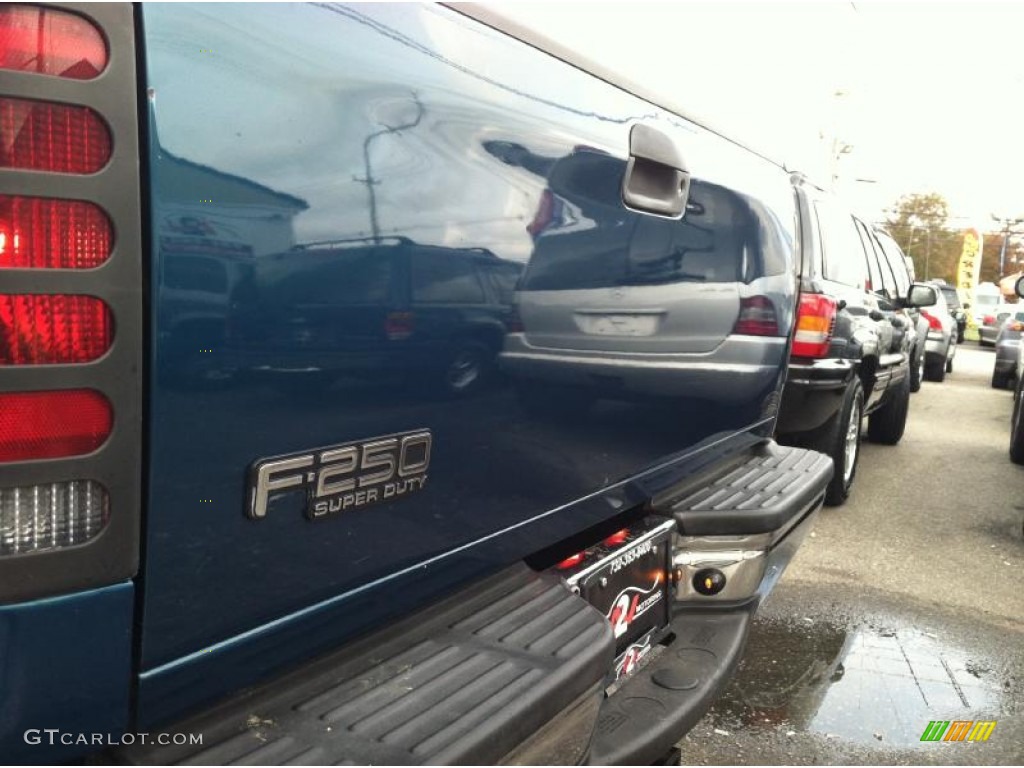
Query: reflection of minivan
[(617, 304), (374, 308)]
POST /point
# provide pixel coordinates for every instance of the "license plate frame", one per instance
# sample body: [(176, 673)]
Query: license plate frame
[(631, 586)]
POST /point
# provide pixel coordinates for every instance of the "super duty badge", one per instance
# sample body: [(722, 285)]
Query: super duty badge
[(345, 477)]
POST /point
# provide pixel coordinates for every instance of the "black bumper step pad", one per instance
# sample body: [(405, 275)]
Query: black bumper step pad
[(464, 682), (768, 492)]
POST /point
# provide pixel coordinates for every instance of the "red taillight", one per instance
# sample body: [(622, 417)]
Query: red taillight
[(41, 136), (50, 42), (815, 322), (545, 214), (399, 325), (934, 323), (989, 320), (48, 425), (571, 562), (617, 538), (53, 329), (757, 317), (45, 233)]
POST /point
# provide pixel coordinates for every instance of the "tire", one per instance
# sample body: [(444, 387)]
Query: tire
[(916, 369), (1017, 432), (886, 425), (935, 369), (1000, 380), (949, 363), (839, 438), (466, 369)]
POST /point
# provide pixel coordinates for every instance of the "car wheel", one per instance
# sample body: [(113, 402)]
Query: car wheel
[(467, 369), (886, 425), (949, 365), (916, 369), (934, 368), (1017, 433), (840, 439)]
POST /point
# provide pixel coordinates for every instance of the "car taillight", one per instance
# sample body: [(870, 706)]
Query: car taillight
[(45, 233), (49, 330), (52, 424), (545, 214), (399, 325), (989, 320), (36, 518), (934, 323), (47, 41), (815, 322), (617, 538), (571, 562), (44, 136), (757, 317)]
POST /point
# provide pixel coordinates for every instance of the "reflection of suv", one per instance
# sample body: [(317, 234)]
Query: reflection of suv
[(956, 308), (614, 304), (372, 308), (851, 350)]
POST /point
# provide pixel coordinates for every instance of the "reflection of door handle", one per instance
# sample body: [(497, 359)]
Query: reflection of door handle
[(875, 314), (656, 178)]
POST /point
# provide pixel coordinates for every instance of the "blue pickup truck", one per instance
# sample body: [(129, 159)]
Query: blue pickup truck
[(378, 384)]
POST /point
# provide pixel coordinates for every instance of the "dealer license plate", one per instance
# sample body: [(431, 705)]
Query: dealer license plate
[(629, 584)]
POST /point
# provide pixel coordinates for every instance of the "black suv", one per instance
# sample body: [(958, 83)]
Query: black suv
[(853, 340)]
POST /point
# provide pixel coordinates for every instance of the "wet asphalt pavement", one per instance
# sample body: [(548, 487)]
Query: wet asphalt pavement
[(905, 605)]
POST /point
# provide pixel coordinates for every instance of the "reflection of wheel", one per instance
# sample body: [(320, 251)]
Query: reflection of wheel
[(839, 438), (886, 425), (1017, 433), (916, 368), (934, 368), (467, 368)]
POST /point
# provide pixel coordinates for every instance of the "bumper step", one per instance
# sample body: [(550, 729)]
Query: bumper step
[(465, 682), (766, 493)]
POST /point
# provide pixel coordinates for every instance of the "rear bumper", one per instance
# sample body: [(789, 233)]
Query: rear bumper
[(988, 333), (736, 371), (813, 393), (937, 347)]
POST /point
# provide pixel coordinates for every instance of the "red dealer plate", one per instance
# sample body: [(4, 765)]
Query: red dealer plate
[(630, 586)]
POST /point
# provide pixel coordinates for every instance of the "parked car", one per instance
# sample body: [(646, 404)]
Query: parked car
[(1017, 420), (956, 309), (1004, 370), (378, 575), (940, 345), (918, 322), (851, 352), (992, 323)]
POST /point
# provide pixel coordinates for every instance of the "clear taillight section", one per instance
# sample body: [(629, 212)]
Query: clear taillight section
[(47, 41), (53, 423), (45, 233), (757, 317), (44, 329), (44, 136), (35, 518), (815, 322)]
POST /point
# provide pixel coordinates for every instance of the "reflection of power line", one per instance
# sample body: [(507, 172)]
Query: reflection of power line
[(371, 182), (407, 41)]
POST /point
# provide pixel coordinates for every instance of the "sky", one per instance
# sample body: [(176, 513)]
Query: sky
[(928, 96)]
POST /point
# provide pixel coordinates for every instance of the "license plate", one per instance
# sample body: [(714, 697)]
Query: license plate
[(617, 325), (629, 584)]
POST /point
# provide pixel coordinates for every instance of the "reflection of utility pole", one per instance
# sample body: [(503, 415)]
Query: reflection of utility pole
[(371, 182), (1008, 224)]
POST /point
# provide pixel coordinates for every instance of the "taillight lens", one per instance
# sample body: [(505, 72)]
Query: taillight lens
[(52, 424), (571, 562), (989, 320), (35, 518), (815, 321), (757, 317), (545, 214), (41, 136), (44, 233), (399, 325), (53, 329), (617, 538), (934, 323), (50, 42)]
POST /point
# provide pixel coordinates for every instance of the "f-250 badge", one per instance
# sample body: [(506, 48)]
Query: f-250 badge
[(342, 478)]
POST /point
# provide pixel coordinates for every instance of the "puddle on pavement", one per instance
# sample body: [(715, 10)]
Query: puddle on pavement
[(863, 684)]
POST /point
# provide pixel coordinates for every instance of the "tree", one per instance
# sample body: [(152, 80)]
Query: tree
[(919, 223)]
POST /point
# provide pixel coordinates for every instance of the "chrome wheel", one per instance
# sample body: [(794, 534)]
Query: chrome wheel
[(463, 371), (852, 443)]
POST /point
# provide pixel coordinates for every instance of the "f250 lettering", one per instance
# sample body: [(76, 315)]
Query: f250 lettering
[(345, 477)]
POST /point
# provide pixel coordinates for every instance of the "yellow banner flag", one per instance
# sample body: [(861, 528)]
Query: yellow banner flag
[(969, 268)]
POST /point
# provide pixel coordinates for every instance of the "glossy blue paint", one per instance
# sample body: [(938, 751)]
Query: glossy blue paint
[(343, 199), (65, 662)]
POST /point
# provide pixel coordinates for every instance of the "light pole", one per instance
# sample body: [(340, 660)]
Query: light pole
[(1008, 224)]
